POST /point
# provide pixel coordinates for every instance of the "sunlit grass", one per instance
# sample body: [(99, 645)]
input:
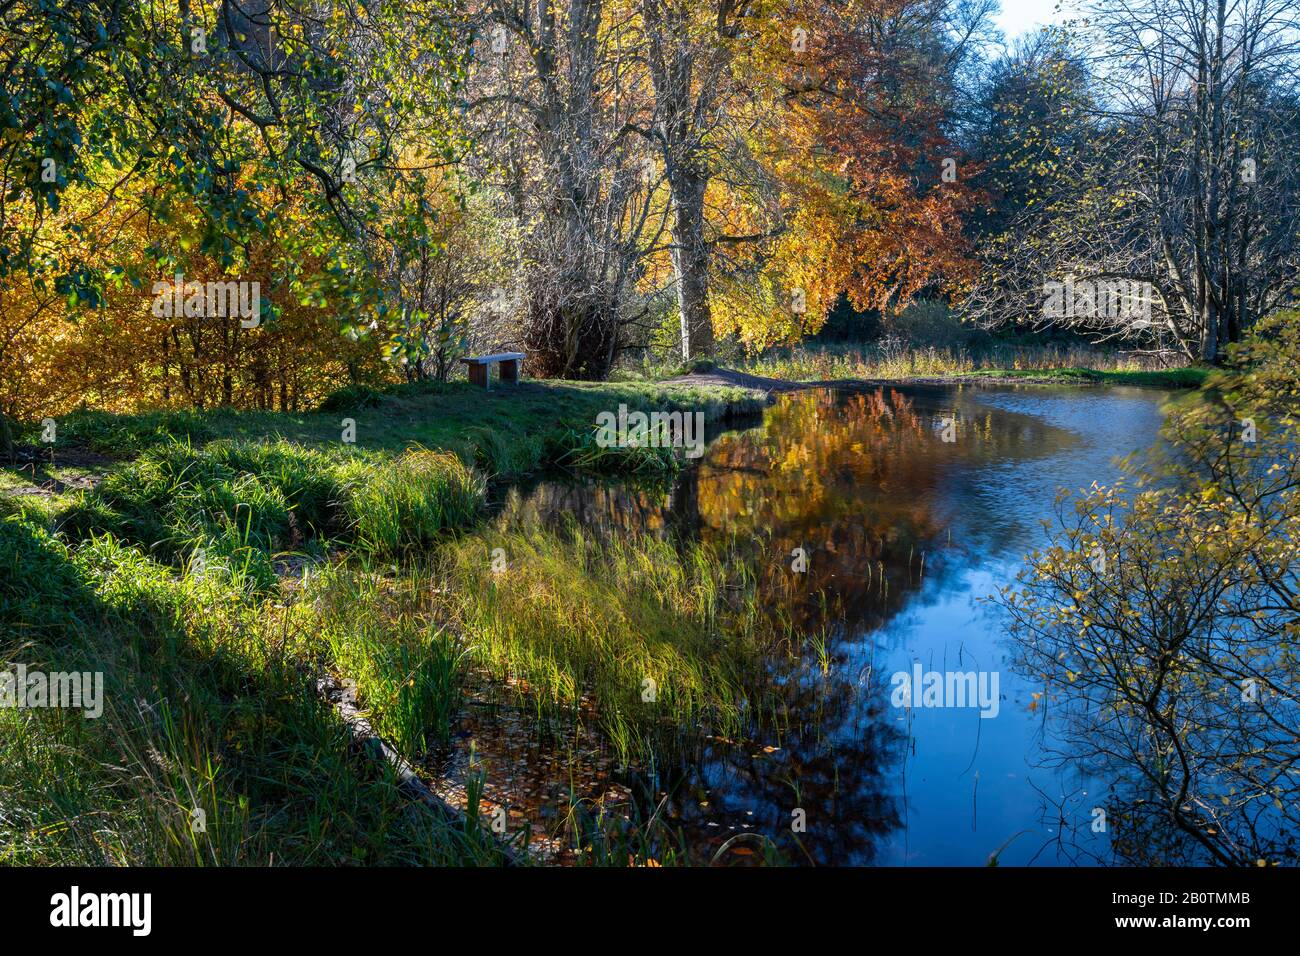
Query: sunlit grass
[(660, 642), (501, 432), (406, 503), (213, 747), (215, 578), (814, 363), (238, 503), (375, 627)]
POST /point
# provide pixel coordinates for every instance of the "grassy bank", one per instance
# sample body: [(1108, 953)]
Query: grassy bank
[(1189, 377), (504, 432), (217, 564), (212, 748)]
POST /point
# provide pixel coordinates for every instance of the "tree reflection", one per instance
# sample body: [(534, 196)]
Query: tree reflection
[(862, 483)]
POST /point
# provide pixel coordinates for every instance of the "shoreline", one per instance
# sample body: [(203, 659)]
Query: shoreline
[(1171, 379)]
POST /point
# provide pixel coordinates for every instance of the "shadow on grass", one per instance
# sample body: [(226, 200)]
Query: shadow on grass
[(213, 746)]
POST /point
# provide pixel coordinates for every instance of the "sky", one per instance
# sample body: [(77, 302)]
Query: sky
[(1021, 16)]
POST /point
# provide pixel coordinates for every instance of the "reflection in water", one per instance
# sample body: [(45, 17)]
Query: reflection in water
[(908, 506)]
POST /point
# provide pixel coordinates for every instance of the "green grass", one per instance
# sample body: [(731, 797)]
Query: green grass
[(208, 707), (373, 626), (37, 508), (506, 432), (664, 644), (212, 704), (237, 503), (1189, 377), (639, 459), (408, 502), (225, 560), (126, 435)]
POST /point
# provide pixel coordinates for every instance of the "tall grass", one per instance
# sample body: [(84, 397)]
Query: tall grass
[(377, 631), (893, 359), (407, 503), (229, 506), (661, 643), (639, 458), (495, 453), (239, 502), (171, 578), (213, 747)]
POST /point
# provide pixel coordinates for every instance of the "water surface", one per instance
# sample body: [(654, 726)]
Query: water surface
[(910, 506)]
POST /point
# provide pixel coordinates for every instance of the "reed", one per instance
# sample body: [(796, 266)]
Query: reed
[(661, 642)]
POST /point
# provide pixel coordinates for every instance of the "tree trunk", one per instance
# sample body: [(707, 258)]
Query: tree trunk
[(6, 436), (685, 73), (691, 264), (1209, 333)]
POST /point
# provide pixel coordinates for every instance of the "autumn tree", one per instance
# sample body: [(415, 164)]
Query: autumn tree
[(701, 65), (557, 99), (871, 184), (55, 58)]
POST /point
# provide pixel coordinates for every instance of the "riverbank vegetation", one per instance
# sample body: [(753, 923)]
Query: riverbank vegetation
[(1074, 366), (1168, 605), (244, 253), (214, 579)]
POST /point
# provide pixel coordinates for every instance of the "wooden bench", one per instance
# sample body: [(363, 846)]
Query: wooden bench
[(479, 367)]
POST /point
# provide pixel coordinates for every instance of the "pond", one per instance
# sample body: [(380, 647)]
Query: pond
[(886, 517)]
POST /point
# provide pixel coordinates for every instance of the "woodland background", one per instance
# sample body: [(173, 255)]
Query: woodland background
[(607, 182)]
